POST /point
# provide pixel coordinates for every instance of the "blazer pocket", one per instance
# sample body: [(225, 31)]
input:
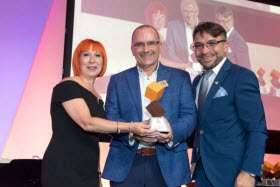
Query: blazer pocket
[(220, 99), (222, 96), (181, 147)]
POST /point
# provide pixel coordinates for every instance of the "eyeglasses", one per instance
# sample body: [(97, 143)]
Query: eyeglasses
[(223, 21), (141, 45), (209, 45), (190, 12)]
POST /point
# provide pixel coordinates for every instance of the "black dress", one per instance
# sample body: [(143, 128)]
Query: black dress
[(72, 156)]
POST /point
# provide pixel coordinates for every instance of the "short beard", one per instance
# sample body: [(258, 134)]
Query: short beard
[(214, 64)]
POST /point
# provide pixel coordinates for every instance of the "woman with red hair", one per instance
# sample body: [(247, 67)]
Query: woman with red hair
[(156, 16), (77, 112)]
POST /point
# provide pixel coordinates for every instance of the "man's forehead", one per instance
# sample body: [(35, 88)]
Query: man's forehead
[(144, 33), (189, 5), (143, 30), (204, 35)]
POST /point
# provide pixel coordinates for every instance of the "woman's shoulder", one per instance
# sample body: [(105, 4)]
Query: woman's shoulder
[(67, 89), (67, 82)]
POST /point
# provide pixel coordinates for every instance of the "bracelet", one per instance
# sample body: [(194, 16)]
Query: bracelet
[(251, 174), (130, 128), (118, 130)]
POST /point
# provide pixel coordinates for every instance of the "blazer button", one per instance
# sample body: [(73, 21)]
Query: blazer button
[(201, 131), (261, 172), (197, 149)]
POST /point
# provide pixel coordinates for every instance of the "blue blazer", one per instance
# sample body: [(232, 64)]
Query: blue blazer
[(123, 103), (232, 130)]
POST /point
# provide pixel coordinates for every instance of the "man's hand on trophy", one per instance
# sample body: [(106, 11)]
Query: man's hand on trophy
[(149, 136), (141, 129), (163, 137)]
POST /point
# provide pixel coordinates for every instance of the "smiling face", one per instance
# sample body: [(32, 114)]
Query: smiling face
[(210, 58), (189, 10), (146, 55), (226, 22), (158, 20), (91, 63)]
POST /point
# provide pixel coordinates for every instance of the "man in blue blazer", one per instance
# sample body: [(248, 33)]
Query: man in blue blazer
[(230, 138), (156, 159)]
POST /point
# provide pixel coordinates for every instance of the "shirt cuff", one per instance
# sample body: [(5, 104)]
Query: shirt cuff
[(170, 143), (131, 139)]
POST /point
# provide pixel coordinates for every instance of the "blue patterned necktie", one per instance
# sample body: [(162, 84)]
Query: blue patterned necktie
[(203, 90)]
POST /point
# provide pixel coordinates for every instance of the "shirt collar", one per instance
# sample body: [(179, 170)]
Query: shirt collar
[(219, 66), (229, 32), (141, 71), (187, 27)]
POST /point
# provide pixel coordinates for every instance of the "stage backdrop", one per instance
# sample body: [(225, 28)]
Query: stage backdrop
[(32, 45), (112, 23)]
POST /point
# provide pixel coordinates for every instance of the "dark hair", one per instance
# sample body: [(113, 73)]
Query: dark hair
[(224, 11), (141, 27), (214, 29)]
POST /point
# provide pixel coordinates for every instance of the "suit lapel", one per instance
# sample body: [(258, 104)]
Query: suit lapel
[(195, 83), (215, 86), (163, 74), (232, 36), (134, 89)]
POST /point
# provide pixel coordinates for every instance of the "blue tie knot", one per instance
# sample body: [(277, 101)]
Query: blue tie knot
[(207, 74)]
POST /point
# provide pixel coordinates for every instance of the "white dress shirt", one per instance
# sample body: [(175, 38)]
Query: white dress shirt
[(189, 36), (210, 79), (144, 82)]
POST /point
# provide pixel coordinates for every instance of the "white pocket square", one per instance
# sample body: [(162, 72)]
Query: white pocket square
[(221, 93)]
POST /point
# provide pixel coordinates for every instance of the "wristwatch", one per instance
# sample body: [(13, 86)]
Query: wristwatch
[(251, 174)]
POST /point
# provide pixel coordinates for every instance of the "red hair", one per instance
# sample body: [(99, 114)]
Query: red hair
[(83, 47), (153, 8)]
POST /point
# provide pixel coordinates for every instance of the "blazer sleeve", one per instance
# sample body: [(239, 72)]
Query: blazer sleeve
[(185, 123), (112, 109), (251, 114)]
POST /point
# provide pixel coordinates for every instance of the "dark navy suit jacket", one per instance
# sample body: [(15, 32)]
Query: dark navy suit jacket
[(123, 103), (232, 130)]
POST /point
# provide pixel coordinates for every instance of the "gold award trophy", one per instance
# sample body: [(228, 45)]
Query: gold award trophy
[(154, 92)]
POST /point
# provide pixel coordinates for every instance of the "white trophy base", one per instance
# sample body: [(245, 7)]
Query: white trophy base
[(158, 123)]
